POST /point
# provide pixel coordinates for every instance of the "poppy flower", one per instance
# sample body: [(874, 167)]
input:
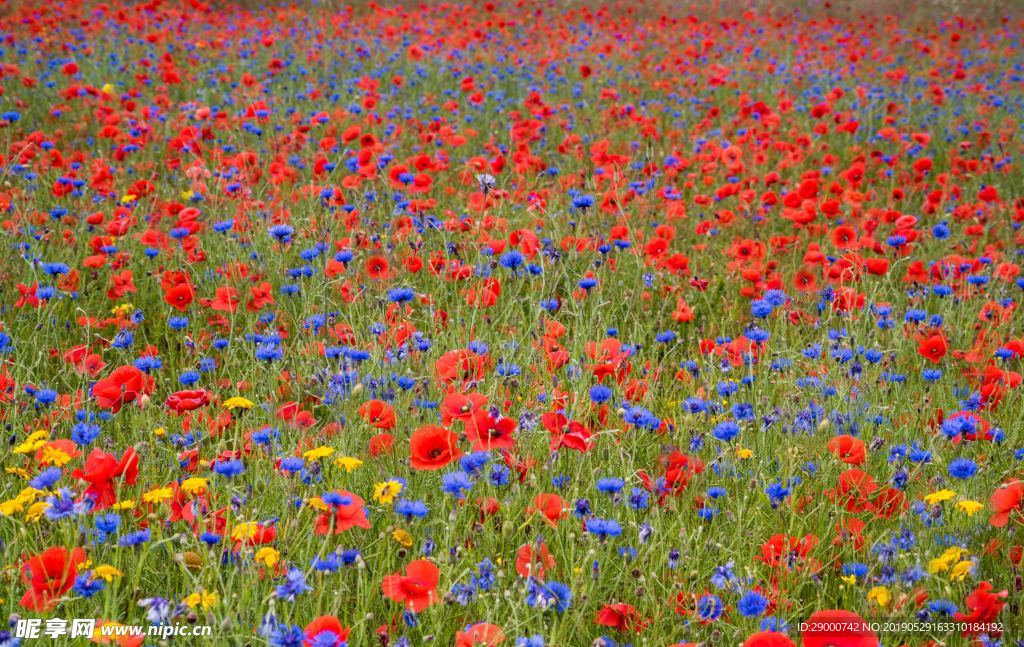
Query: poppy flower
[(482, 633), (984, 607), (432, 447), (188, 400), (933, 348), (348, 513), (416, 589), (768, 639), (1007, 499), (49, 575), (377, 414), (123, 386), (533, 560), (100, 472), (853, 630), (848, 449), (325, 631), (551, 506), (621, 617)]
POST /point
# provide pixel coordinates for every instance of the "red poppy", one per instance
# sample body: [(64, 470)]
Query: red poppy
[(551, 506), (347, 514), (433, 447), (533, 560), (1007, 499), (101, 469), (768, 639), (187, 400), (482, 633), (853, 630), (49, 575), (621, 617), (984, 607), (123, 386), (326, 631), (487, 434), (377, 414), (848, 449), (417, 589), (933, 348), (377, 267)]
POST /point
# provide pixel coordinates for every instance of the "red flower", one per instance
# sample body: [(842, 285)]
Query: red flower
[(320, 629), (856, 632), (1007, 498), (487, 434), (621, 617), (48, 576), (188, 400), (417, 589), (551, 506), (768, 639), (985, 607), (533, 561), (377, 414), (100, 471), (433, 447), (121, 387), (933, 348), (482, 633), (348, 514), (848, 449)]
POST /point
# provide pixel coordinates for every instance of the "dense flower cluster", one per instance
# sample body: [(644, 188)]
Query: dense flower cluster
[(527, 323)]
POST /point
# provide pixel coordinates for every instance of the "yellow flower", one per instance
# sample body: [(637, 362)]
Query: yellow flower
[(158, 495), (960, 571), (11, 506), (36, 510), (238, 402), (386, 492), (19, 472), (159, 432), (107, 572), (939, 497), (206, 599), (127, 504), (36, 440), (969, 507), (243, 531), (268, 556), (194, 485), (318, 504), (880, 596), (54, 456), (107, 88), (317, 453), (849, 579), (128, 198), (348, 463), (946, 560), (743, 453), (402, 537)]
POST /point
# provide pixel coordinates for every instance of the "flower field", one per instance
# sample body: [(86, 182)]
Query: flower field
[(524, 323)]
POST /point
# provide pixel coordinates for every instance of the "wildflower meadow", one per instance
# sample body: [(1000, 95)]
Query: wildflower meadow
[(535, 323)]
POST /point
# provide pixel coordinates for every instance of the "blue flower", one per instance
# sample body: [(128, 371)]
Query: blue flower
[(752, 604), (962, 468)]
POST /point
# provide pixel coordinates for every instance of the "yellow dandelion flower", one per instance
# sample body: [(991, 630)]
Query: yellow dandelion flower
[(237, 402), (127, 504), (268, 556), (939, 497), (969, 507), (317, 453), (194, 485), (880, 595), (386, 492), (402, 537), (743, 453), (158, 495), (348, 463), (159, 432), (107, 572)]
